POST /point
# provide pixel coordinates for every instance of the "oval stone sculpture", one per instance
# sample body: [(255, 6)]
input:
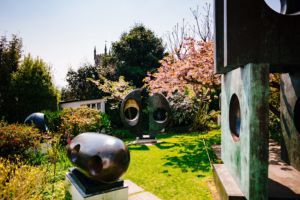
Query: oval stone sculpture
[(98, 156)]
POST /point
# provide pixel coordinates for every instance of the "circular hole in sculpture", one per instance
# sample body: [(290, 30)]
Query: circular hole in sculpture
[(131, 109), (160, 115), (95, 165), (131, 113), (297, 115), (235, 117), (74, 153), (285, 7)]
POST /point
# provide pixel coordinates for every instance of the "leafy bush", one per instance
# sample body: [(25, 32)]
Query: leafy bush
[(17, 138), (115, 92), (204, 119), (274, 108), (53, 120), (83, 119), (20, 181)]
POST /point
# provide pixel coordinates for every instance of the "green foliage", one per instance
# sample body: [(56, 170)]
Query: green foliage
[(78, 85), (122, 134), (32, 88), (190, 109), (17, 138), (204, 119), (20, 181), (45, 180), (137, 52), (53, 120), (10, 55), (115, 92), (78, 120), (274, 105)]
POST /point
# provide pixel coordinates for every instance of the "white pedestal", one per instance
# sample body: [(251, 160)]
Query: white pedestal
[(117, 193)]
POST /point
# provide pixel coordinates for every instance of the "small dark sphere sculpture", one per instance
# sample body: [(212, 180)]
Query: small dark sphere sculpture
[(38, 119), (98, 156)]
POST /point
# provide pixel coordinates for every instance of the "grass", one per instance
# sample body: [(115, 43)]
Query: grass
[(176, 168)]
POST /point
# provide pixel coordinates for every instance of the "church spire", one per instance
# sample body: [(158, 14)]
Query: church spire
[(105, 49)]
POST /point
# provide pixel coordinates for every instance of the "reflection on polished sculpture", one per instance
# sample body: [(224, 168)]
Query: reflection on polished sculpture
[(38, 119), (98, 156), (145, 114)]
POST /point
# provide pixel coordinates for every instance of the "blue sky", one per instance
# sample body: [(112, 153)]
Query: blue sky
[(64, 32)]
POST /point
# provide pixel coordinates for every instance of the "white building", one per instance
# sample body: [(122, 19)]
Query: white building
[(98, 104)]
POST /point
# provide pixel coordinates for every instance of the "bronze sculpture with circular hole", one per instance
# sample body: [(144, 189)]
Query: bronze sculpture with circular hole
[(235, 117), (145, 114), (99, 157)]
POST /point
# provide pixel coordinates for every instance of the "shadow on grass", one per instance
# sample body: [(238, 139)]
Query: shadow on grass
[(166, 145), (192, 155), (138, 147)]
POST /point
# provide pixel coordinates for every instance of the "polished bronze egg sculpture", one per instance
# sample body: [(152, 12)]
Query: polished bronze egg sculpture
[(98, 156)]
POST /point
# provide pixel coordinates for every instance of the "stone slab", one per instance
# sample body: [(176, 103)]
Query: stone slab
[(132, 187), (225, 184), (144, 196), (284, 180)]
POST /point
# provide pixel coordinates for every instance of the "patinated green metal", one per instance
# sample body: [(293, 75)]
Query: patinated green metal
[(290, 119), (246, 156)]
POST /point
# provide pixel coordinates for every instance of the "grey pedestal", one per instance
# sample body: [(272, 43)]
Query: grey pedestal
[(82, 188)]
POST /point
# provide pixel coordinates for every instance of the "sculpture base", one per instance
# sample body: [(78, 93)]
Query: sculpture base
[(225, 184), (145, 139), (283, 183), (82, 188)]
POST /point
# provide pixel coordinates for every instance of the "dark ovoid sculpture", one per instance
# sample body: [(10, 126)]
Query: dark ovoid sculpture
[(144, 114), (99, 157), (38, 119)]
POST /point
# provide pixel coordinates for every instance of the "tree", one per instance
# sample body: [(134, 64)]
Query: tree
[(194, 71), (32, 89), (10, 55), (203, 22), (115, 92), (200, 30), (137, 52), (79, 87), (188, 83)]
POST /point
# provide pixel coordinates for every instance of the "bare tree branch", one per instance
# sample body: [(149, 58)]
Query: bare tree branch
[(203, 22)]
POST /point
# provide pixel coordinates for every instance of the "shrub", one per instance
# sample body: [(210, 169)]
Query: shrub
[(115, 92), (17, 138), (83, 119), (53, 120), (20, 181), (204, 119)]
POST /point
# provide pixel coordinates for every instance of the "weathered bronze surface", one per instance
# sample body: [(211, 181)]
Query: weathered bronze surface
[(100, 157), (143, 114), (251, 32), (38, 119), (290, 117)]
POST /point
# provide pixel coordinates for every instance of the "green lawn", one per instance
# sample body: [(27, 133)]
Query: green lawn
[(176, 168)]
